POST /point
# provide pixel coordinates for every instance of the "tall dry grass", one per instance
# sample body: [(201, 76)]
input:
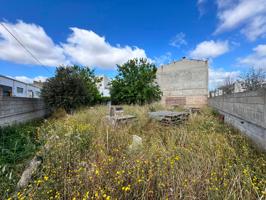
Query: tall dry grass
[(90, 159)]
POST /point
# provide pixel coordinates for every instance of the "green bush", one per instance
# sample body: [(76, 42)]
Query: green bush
[(71, 88)]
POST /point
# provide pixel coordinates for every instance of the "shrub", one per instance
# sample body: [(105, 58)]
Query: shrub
[(71, 88)]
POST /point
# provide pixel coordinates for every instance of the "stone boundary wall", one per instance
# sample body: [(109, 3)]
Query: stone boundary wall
[(18, 110), (245, 111)]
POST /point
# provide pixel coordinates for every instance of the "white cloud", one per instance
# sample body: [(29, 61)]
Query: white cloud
[(257, 28), (30, 80), (256, 59), (201, 6), (178, 40), (163, 59), (248, 15), (35, 39), (201, 1), (87, 48), (209, 49), (222, 4), (218, 76), (82, 47)]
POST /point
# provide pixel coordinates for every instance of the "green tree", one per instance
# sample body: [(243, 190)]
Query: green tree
[(135, 83), (72, 87)]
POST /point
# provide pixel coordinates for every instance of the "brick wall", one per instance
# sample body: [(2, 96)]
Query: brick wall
[(186, 101), (18, 110), (196, 101), (246, 111)]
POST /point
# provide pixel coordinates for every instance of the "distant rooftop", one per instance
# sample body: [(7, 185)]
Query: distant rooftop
[(31, 84)]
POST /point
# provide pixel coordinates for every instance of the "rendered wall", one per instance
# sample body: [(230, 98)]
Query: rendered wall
[(184, 82), (6, 81), (18, 110), (246, 111), (103, 86)]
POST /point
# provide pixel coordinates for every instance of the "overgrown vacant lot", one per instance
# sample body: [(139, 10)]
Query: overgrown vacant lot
[(18, 144), (89, 159)]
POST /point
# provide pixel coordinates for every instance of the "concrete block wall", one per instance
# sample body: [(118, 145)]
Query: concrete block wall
[(186, 79), (18, 110), (246, 111)]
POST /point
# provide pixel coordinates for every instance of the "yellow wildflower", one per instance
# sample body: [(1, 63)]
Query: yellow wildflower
[(96, 194), (177, 158), (97, 172), (126, 188)]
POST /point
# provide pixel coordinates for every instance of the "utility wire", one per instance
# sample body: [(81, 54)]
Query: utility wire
[(24, 47)]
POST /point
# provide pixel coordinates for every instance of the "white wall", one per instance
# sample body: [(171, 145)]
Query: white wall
[(17, 85), (35, 91), (6, 81), (14, 84), (103, 86)]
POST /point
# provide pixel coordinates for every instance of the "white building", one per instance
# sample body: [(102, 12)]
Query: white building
[(103, 86), (238, 87), (12, 87)]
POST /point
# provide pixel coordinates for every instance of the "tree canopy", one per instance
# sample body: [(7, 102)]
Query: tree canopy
[(72, 87), (135, 83)]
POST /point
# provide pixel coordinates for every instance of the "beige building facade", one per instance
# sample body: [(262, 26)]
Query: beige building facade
[(184, 83)]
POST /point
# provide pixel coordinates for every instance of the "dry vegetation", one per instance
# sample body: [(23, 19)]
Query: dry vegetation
[(89, 159)]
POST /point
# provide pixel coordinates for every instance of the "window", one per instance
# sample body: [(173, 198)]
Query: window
[(6, 91), (30, 93), (19, 90)]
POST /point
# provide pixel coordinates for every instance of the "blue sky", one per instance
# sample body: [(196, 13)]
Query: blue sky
[(101, 34)]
